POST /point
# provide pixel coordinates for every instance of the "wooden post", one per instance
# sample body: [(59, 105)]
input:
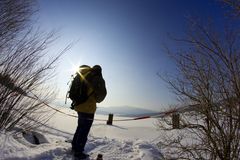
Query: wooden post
[(110, 119), (176, 121)]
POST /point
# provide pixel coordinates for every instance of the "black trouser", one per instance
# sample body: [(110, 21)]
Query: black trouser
[(85, 121)]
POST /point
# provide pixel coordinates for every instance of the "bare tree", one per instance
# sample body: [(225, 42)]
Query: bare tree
[(208, 79), (24, 67), (234, 7)]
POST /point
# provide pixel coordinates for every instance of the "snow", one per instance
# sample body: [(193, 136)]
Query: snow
[(124, 140)]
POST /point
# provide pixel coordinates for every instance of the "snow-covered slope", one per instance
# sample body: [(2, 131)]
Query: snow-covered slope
[(127, 140)]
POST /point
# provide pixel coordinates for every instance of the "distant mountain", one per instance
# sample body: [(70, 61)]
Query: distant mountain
[(127, 111)]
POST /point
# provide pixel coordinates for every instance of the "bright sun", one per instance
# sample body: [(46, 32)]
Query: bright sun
[(74, 67)]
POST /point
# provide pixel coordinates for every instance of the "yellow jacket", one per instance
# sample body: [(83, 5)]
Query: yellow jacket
[(90, 105), (87, 107)]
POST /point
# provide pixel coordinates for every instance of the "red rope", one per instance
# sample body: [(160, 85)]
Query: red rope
[(158, 115), (145, 117)]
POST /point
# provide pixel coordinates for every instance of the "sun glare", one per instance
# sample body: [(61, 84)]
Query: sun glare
[(74, 67)]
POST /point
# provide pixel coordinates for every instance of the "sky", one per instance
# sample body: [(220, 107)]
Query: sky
[(126, 38)]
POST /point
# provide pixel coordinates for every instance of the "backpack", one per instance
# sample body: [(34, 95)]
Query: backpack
[(96, 81), (78, 92)]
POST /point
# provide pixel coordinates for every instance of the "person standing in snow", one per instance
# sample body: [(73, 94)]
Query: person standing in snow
[(96, 92)]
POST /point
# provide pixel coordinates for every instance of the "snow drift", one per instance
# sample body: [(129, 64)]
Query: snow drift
[(122, 141)]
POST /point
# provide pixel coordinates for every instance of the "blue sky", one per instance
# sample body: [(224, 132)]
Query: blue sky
[(125, 37)]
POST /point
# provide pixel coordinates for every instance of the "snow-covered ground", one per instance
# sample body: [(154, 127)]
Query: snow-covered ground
[(124, 140)]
